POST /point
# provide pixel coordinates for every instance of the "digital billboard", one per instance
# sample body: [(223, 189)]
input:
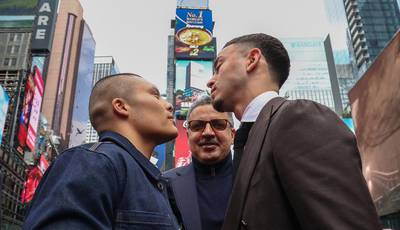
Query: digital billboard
[(194, 34), (18, 7), (159, 153), (182, 152), (35, 110), (26, 110), (375, 101), (191, 80), (4, 102)]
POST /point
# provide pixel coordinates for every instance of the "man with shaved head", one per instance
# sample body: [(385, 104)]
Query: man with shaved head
[(111, 184)]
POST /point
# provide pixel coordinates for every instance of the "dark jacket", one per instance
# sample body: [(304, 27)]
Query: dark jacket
[(301, 169), (109, 185), (215, 183)]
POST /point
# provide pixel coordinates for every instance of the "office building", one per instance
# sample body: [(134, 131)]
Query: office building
[(372, 24)]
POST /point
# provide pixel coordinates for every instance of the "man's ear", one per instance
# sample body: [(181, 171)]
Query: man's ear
[(233, 133), (253, 58), (120, 107)]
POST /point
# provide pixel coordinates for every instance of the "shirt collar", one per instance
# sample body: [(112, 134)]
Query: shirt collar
[(123, 142), (254, 108)]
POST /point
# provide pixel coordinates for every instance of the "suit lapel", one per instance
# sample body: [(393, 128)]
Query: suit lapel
[(184, 186), (248, 163)]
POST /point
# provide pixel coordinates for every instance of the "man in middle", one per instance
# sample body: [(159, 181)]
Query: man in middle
[(202, 188)]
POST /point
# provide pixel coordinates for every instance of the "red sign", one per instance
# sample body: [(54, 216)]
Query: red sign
[(34, 177), (26, 110), (35, 110), (182, 151)]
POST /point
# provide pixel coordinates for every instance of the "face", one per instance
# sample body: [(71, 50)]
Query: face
[(229, 79), (209, 145), (152, 115)]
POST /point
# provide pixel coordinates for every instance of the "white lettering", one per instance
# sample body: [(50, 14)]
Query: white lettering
[(40, 34), (45, 7), (42, 20)]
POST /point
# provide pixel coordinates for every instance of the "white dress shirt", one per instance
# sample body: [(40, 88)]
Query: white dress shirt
[(255, 106)]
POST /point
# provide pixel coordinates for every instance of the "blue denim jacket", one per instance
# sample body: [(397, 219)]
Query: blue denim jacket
[(109, 185)]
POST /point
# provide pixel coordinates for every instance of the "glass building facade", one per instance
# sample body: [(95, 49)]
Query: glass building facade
[(372, 24), (344, 59), (80, 113), (309, 76)]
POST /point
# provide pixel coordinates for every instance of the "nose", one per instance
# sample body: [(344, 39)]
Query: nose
[(211, 82), (169, 106), (208, 131)]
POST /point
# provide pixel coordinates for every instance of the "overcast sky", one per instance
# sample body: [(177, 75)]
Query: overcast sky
[(135, 32)]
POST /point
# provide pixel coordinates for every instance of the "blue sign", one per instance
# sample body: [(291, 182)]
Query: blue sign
[(159, 154), (349, 123), (4, 101), (193, 34)]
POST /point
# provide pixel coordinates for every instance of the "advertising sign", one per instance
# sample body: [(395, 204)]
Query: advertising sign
[(193, 34), (191, 80), (26, 110), (4, 101), (375, 101), (44, 24), (34, 176), (17, 7), (35, 111), (159, 154), (182, 152)]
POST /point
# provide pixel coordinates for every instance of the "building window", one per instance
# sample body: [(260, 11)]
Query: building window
[(6, 61), (13, 61)]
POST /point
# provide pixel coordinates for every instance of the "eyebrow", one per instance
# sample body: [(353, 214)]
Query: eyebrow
[(155, 90), (216, 62)]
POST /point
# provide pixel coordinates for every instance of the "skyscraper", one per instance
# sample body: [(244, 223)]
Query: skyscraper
[(309, 76), (103, 66), (62, 68), (346, 69), (372, 23)]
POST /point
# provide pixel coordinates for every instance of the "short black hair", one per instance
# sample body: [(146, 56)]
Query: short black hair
[(272, 49), (103, 89)]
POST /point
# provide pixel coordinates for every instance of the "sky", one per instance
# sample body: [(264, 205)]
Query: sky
[(135, 32)]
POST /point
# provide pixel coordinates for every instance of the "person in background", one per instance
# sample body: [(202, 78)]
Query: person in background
[(202, 188)]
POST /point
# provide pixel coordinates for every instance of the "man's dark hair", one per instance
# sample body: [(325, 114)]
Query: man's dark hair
[(107, 88), (273, 51)]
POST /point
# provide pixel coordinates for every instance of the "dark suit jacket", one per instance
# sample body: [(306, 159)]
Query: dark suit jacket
[(300, 169), (183, 184)]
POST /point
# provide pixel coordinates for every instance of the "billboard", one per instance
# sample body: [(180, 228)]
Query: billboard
[(191, 80), (182, 151), (26, 110), (159, 153), (18, 7), (42, 36), (35, 110), (193, 34), (4, 102), (375, 101)]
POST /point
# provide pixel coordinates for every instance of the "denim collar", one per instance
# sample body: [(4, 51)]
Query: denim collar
[(124, 143)]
